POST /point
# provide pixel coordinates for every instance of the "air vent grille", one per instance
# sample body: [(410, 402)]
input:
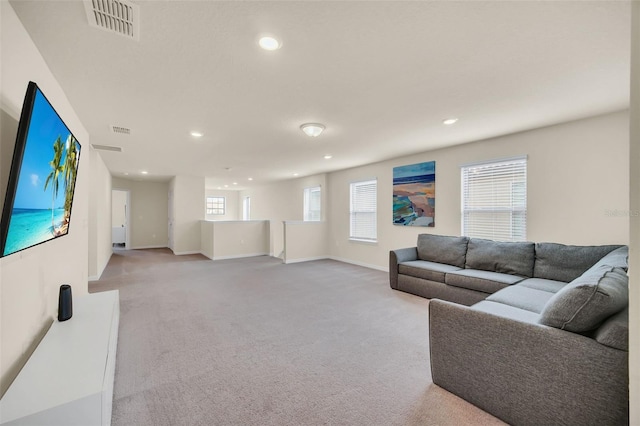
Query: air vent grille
[(106, 148), (116, 16), (120, 130)]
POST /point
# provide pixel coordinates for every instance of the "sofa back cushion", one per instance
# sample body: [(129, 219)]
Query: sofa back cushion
[(618, 258), (566, 263), (506, 257), (442, 249), (588, 300)]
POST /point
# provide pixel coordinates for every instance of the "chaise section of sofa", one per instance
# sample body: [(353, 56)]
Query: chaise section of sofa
[(542, 351), (523, 372)]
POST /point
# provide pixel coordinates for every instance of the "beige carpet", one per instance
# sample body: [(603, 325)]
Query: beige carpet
[(256, 342)]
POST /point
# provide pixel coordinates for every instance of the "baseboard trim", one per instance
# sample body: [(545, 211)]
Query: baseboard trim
[(365, 265), (147, 247), (305, 259), (238, 256), (183, 253)]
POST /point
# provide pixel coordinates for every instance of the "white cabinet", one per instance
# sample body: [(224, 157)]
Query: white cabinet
[(68, 380)]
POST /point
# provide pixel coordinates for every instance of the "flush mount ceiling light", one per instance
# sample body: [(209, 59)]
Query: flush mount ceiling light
[(250, 178), (268, 42), (449, 121), (312, 129), (196, 134), (328, 157)]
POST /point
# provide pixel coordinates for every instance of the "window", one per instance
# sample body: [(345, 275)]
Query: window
[(494, 200), (246, 208), (363, 211), (215, 205), (312, 204)]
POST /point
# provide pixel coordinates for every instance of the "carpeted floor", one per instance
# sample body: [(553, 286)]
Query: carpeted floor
[(255, 342)]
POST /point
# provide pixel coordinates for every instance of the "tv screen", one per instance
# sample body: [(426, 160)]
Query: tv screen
[(42, 180)]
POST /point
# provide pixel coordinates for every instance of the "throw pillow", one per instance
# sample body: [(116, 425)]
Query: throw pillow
[(588, 300)]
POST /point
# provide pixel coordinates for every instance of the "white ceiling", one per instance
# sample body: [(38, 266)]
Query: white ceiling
[(380, 75)]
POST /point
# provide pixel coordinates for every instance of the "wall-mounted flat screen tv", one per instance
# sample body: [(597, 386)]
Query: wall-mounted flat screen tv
[(42, 180)]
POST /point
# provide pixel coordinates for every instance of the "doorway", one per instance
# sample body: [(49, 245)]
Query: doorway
[(120, 219)]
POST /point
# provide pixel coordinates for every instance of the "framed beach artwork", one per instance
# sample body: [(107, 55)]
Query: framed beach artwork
[(414, 194)]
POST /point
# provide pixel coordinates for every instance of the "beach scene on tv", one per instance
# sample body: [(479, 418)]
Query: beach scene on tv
[(44, 194)]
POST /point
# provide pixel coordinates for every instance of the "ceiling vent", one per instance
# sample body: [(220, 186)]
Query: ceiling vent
[(120, 130), (106, 148), (116, 16)]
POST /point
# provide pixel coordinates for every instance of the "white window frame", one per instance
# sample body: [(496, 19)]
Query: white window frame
[(310, 213), (214, 207), (494, 199), (363, 208), (246, 208)]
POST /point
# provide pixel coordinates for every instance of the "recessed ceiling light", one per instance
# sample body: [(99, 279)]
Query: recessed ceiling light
[(328, 157), (449, 121), (219, 187), (226, 186), (235, 183), (144, 172), (250, 178), (269, 43), (126, 173), (312, 129), (196, 134), (295, 174)]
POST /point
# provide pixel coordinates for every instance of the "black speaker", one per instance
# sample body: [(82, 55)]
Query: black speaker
[(65, 306)]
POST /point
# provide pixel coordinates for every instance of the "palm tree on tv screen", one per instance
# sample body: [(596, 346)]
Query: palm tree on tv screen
[(70, 172), (57, 168)]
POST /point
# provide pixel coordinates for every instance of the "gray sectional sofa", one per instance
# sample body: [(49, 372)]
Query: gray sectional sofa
[(533, 333)]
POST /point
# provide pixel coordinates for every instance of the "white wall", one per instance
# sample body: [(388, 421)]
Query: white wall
[(30, 280), (9, 130), (188, 211), (234, 239), (283, 201), (577, 184), (634, 222), (232, 202), (148, 212), (304, 241), (99, 214)]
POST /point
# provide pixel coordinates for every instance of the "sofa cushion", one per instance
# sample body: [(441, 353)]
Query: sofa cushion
[(506, 257), (588, 300), (506, 311), (485, 281), (618, 258), (427, 270), (551, 286), (442, 249), (614, 332), (566, 263), (527, 298)]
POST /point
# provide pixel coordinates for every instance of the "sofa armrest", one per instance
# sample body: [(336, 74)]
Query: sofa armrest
[(395, 258), (526, 373)]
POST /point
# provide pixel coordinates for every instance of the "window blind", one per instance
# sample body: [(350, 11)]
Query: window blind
[(312, 204), (494, 200), (363, 211)]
